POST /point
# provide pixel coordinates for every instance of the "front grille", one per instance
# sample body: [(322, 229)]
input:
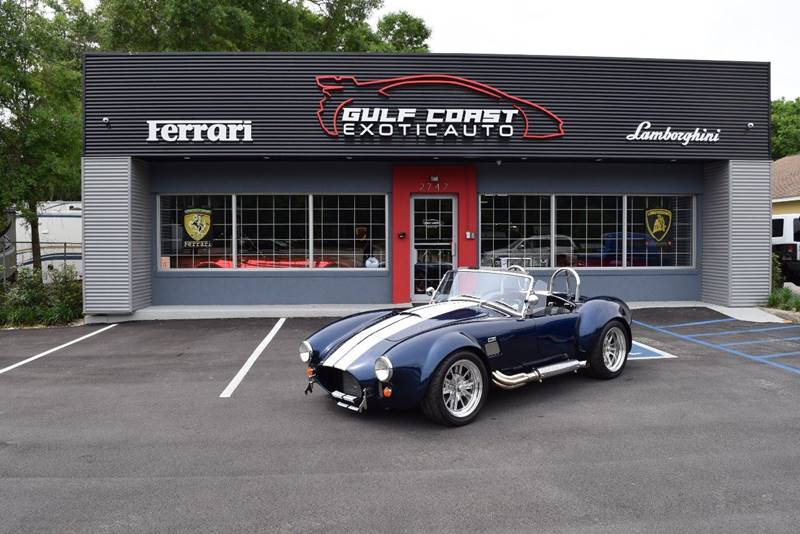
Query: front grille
[(334, 379), (350, 385), (330, 378)]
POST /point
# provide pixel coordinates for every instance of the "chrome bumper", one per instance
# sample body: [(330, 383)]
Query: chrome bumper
[(351, 402)]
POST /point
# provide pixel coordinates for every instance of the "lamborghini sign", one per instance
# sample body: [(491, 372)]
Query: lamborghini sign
[(658, 222)]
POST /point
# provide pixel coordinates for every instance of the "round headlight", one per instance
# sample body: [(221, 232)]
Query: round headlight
[(383, 369), (305, 351)]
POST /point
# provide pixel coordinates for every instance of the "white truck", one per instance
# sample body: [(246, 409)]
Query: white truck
[(786, 244)]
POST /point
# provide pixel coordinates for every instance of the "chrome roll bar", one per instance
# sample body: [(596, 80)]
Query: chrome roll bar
[(569, 272)]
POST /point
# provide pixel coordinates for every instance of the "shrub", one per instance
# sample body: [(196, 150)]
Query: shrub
[(777, 272), (31, 301)]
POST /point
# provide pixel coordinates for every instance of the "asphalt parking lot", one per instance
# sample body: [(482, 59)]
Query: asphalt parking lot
[(126, 431)]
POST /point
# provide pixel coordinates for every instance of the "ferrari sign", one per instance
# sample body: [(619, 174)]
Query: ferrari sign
[(658, 222), (197, 223)]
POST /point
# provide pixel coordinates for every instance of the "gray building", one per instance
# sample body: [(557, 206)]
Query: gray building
[(213, 179)]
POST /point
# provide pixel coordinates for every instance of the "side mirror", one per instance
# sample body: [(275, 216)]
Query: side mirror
[(430, 292), (532, 299)]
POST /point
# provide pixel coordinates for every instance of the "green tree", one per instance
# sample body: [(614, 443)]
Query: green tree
[(785, 134), (246, 25), (402, 32), (41, 43)]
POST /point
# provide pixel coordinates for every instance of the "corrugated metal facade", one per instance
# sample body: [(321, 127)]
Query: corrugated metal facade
[(750, 231), (140, 237), (716, 234), (107, 235), (736, 233), (600, 100)]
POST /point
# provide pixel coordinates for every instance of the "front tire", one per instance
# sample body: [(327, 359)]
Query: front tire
[(457, 390), (610, 353)]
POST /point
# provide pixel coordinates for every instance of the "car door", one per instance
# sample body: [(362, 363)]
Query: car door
[(534, 341), (555, 335), (516, 340)]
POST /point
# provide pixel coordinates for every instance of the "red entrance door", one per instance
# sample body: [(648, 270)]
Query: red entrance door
[(434, 224)]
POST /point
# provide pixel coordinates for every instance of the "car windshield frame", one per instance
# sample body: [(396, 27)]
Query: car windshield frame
[(502, 306)]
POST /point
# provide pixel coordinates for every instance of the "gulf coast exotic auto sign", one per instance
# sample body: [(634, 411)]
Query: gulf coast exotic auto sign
[(385, 108)]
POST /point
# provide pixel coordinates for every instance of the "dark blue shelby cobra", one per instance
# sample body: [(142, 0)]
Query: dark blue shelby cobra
[(482, 327)]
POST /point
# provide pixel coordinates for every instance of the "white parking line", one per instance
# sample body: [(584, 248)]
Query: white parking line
[(657, 354), (228, 391), (45, 353)]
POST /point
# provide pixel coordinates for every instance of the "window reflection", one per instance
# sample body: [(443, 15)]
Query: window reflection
[(515, 230), (350, 231), (272, 231)]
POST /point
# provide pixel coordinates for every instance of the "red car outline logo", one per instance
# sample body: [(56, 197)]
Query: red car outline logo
[(329, 83)]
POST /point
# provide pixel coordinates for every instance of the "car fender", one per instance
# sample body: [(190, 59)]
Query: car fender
[(416, 359), (595, 314)]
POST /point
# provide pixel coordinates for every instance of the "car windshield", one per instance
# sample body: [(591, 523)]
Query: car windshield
[(504, 288)]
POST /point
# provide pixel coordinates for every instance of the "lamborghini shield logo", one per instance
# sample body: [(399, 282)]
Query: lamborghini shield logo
[(197, 222), (658, 221)]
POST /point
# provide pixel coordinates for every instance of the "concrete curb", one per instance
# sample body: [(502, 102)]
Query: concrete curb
[(165, 313)]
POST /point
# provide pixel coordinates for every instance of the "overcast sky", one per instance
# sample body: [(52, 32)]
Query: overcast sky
[(754, 30)]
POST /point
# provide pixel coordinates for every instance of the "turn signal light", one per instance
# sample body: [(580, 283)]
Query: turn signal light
[(309, 372), (387, 391)]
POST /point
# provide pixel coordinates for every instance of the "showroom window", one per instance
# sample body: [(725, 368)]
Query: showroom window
[(588, 231), (349, 231), (196, 232), (515, 230), (659, 231), (272, 231)]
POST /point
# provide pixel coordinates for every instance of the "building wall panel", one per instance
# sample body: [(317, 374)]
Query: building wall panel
[(750, 230), (107, 235), (716, 234), (141, 235), (600, 100)]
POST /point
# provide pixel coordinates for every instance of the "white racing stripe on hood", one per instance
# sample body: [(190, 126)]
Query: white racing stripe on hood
[(348, 345), (362, 342), (430, 311)]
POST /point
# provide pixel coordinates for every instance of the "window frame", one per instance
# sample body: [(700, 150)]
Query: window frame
[(310, 222), (624, 223), (234, 251)]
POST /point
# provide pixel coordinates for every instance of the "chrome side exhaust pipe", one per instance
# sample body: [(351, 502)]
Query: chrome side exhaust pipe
[(515, 381)]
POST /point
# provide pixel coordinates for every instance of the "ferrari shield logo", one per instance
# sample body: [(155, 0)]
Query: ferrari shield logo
[(658, 221), (197, 222)]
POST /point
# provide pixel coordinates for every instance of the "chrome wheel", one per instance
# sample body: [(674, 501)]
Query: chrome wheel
[(462, 388), (615, 348)]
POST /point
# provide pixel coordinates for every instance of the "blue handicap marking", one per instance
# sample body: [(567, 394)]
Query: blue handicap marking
[(640, 351)]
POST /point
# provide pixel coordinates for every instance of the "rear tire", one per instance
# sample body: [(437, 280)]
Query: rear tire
[(457, 390), (610, 353)]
